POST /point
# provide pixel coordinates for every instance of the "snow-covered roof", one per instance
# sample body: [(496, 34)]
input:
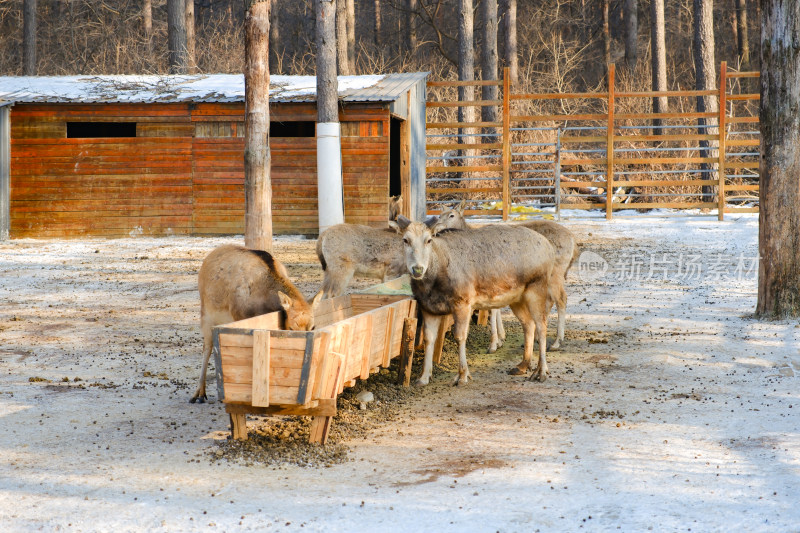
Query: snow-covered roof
[(194, 88)]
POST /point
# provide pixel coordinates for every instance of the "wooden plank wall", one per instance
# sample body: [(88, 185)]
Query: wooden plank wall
[(294, 174), (183, 173), (365, 176), (365, 164), (218, 169), (106, 187)]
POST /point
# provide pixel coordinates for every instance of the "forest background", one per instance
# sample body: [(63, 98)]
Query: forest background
[(561, 45)]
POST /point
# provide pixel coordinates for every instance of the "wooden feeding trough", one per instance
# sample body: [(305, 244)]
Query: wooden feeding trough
[(262, 369)]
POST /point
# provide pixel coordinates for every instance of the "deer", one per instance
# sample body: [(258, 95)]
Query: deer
[(566, 250), (456, 272), (348, 249), (237, 283), (395, 206)]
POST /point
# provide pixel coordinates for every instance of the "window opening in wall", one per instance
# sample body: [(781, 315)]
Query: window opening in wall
[(299, 128), (79, 130)]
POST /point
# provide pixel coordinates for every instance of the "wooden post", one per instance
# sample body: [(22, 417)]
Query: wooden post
[(365, 348), (723, 83), (557, 191), (610, 144), (407, 351), (420, 331), (238, 426), (444, 325), (483, 317), (506, 143), (388, 339), (261, 356), (321, 425)]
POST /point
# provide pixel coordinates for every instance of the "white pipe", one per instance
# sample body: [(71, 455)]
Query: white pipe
[(329, 175)]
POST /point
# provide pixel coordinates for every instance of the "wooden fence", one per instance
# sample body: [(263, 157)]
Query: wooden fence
[(599, 150)]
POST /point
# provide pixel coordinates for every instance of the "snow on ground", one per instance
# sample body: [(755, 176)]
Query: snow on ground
[(670, 408)]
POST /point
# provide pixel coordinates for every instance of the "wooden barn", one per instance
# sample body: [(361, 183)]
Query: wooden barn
[(117, 156)]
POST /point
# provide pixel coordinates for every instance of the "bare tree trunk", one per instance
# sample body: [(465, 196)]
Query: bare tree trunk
[(510, 44), (411, 32), (257, 156), (466, 59), (341, 37), (606, 34), (779, 195), (466, 72), (191, 62), (377, 32), (631, 15), (327, 85), (351, 35), (658, 49), (489, 61), (742, 36), (147, 21), (329, 153), (275, 56), (704, 80), (29, 37), (176, 36)]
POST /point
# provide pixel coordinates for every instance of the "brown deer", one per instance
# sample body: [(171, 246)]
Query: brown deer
[(456, 272), (395, 206), (566, 250), (346, 249), (237, 283)]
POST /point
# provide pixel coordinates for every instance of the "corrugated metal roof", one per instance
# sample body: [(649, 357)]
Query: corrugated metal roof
[(212, 88), (392, 84)]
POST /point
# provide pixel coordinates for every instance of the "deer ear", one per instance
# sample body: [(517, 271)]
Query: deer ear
[(286, 302), (403, 222), (316, 300), (431, 221), (396, 227), (461, 207), (437, 229)]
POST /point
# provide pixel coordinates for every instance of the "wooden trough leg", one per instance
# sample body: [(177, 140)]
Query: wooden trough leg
[(483, 317), (321, 425), (407, 351), (444, 325), (420, 331), (238, 426)]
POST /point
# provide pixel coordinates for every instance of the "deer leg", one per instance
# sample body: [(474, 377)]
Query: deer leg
[(496, 324), (200, 393), (337, 278), (497, 329), (431, 328), (461, 318), (501, 330), (536, 299), (522, 313), (561, 306)]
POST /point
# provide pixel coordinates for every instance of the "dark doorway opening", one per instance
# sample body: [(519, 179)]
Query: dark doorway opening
[(395, 157)]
